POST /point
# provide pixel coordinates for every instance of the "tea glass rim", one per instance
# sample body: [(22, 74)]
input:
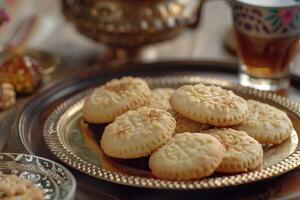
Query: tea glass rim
[(262, 6)]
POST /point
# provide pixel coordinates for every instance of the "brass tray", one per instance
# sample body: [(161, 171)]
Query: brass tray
[(76, 143)]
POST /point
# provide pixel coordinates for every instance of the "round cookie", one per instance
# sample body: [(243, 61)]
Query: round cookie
[(137, 133), (267, 124), (209, 105), (243, 152), (115, 98), (184, 124), (160, 98), (187, 156), (32, 193), (13, 187)]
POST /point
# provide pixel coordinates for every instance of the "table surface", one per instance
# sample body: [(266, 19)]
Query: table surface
[(204, 42)]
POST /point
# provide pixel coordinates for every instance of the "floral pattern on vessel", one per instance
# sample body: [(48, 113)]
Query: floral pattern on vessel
[(284, 17), (266, 22)]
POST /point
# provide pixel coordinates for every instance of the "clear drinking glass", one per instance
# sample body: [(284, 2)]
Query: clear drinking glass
[(267, 34)]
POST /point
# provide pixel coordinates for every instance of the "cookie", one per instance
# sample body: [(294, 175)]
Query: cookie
[(11, 185), (160, 98), (115, 98), (32, 193), (13, 188), (184, 124), (187, 156), (243, 152), (209, 105), (267, 124), (137, 133)]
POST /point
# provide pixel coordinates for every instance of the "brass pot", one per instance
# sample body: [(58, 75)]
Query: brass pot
[(131, 24)]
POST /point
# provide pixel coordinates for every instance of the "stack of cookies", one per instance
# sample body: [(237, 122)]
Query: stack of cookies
[(14, 188), (189, 133)]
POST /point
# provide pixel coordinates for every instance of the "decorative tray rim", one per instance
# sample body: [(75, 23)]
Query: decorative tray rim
[(60, 150)]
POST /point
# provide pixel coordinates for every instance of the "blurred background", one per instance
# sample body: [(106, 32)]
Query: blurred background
[(41, 25)]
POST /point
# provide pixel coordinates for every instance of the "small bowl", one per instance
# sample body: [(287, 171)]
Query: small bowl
[(55, 180), (48, 61)]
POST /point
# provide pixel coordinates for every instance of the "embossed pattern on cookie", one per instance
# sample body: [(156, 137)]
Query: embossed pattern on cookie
[(137, 133), (161, 98), (115, 98), (187, 156), (243, 153), (267, 124), (184, 124), (209, 105)]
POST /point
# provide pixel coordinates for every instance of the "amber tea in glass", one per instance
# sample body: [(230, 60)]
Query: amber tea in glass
[(267, 34), (266, 58)]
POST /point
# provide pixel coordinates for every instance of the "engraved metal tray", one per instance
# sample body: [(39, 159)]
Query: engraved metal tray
[(55, 180), (77, 144)]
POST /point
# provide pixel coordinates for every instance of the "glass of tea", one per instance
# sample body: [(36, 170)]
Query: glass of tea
[(267, 34)]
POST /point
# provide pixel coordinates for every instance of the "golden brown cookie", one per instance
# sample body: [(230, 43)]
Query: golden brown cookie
[(209, 105), (243, 153), (115, 98), (187, 156), (137, 133), (267, 124), (32, 193), (184, 124), (161, 98), (14, 188)]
